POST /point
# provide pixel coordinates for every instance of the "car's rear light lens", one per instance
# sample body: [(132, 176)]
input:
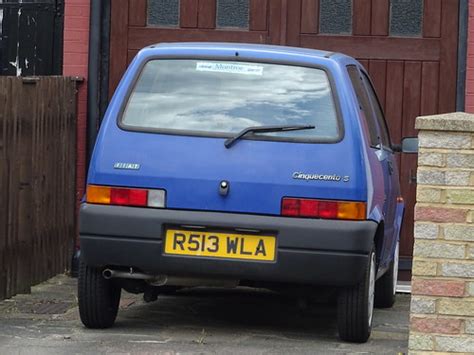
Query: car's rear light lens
[(128, 197), (300, 207), (122, 196), (156, 198), (290, 207), (98, 194), (308, 208), (328, 209), (352, 210)]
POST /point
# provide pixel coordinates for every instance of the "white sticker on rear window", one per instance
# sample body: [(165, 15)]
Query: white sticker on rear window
[(232, 68)]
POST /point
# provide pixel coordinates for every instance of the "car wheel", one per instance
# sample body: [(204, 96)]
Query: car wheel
[(386, 286), (98, 298), (356, 307)]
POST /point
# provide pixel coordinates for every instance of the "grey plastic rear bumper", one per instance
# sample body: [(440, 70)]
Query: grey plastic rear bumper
[(318, 252)]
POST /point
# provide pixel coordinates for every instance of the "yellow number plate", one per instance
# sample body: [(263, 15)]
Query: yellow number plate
[(220, 245)]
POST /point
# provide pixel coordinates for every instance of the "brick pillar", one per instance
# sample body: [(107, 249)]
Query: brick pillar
[(76, 52), (442, 306)]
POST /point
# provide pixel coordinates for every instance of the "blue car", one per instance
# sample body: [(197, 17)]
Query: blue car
[(233, 164)]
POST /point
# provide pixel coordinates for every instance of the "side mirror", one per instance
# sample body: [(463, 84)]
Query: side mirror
[(409, 145)]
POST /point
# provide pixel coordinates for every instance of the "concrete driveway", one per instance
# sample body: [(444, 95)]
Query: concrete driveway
[(241, 321)]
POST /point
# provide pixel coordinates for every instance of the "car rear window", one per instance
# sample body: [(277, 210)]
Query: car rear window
[(220, 98)]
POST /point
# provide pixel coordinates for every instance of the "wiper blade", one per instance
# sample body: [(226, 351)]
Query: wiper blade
[(264, 129)]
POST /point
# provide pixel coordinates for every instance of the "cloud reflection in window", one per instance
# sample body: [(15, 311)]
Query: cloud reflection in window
[(173, 94)]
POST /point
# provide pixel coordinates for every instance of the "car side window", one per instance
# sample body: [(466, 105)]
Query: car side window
[(364, 103), (384, 135)]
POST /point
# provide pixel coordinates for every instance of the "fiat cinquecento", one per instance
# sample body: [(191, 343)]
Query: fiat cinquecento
[(232, 164)]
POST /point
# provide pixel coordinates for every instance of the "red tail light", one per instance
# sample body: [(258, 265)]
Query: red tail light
[(122, 196), (300, 207), (290, 207), (128, 197), (328, 209), (308, 208)]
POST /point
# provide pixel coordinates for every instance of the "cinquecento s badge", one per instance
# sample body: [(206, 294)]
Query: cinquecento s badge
[(320, 177)]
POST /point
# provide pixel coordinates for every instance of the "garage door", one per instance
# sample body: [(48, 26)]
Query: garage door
[(409, 48)]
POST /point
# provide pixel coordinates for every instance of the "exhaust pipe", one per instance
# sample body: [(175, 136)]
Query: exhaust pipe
[(114, 274), (162, 280)]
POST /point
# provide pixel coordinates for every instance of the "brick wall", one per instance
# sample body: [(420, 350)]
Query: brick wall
[(470, 61), (76, 51), (442, 308)]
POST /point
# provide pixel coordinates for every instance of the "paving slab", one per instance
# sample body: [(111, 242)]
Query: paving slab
[(199, 321)]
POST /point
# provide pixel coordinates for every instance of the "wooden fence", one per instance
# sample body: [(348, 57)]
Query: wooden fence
[(37, 180)]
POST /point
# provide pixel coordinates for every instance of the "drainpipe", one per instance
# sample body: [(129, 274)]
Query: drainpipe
[(98, 83), (105, 59), (97, 88), (93, 75), (462, 54)]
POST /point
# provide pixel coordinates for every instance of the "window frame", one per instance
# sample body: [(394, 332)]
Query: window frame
[(376, 123), (384, 132), (137, 74), (357, 83)]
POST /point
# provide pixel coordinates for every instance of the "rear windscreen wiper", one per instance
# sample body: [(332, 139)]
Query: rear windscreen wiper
[(264, 129)]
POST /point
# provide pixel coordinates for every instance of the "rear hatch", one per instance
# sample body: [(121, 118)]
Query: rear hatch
[(171, 133)]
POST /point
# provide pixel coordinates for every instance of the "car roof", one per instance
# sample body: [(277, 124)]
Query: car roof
[(250, 49)]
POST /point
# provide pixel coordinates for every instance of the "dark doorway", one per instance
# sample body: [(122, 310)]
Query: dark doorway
[(31, 37)]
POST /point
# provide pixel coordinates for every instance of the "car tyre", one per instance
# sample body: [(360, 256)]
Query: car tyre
[(386, 286), (356, 306), (98, 298)]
